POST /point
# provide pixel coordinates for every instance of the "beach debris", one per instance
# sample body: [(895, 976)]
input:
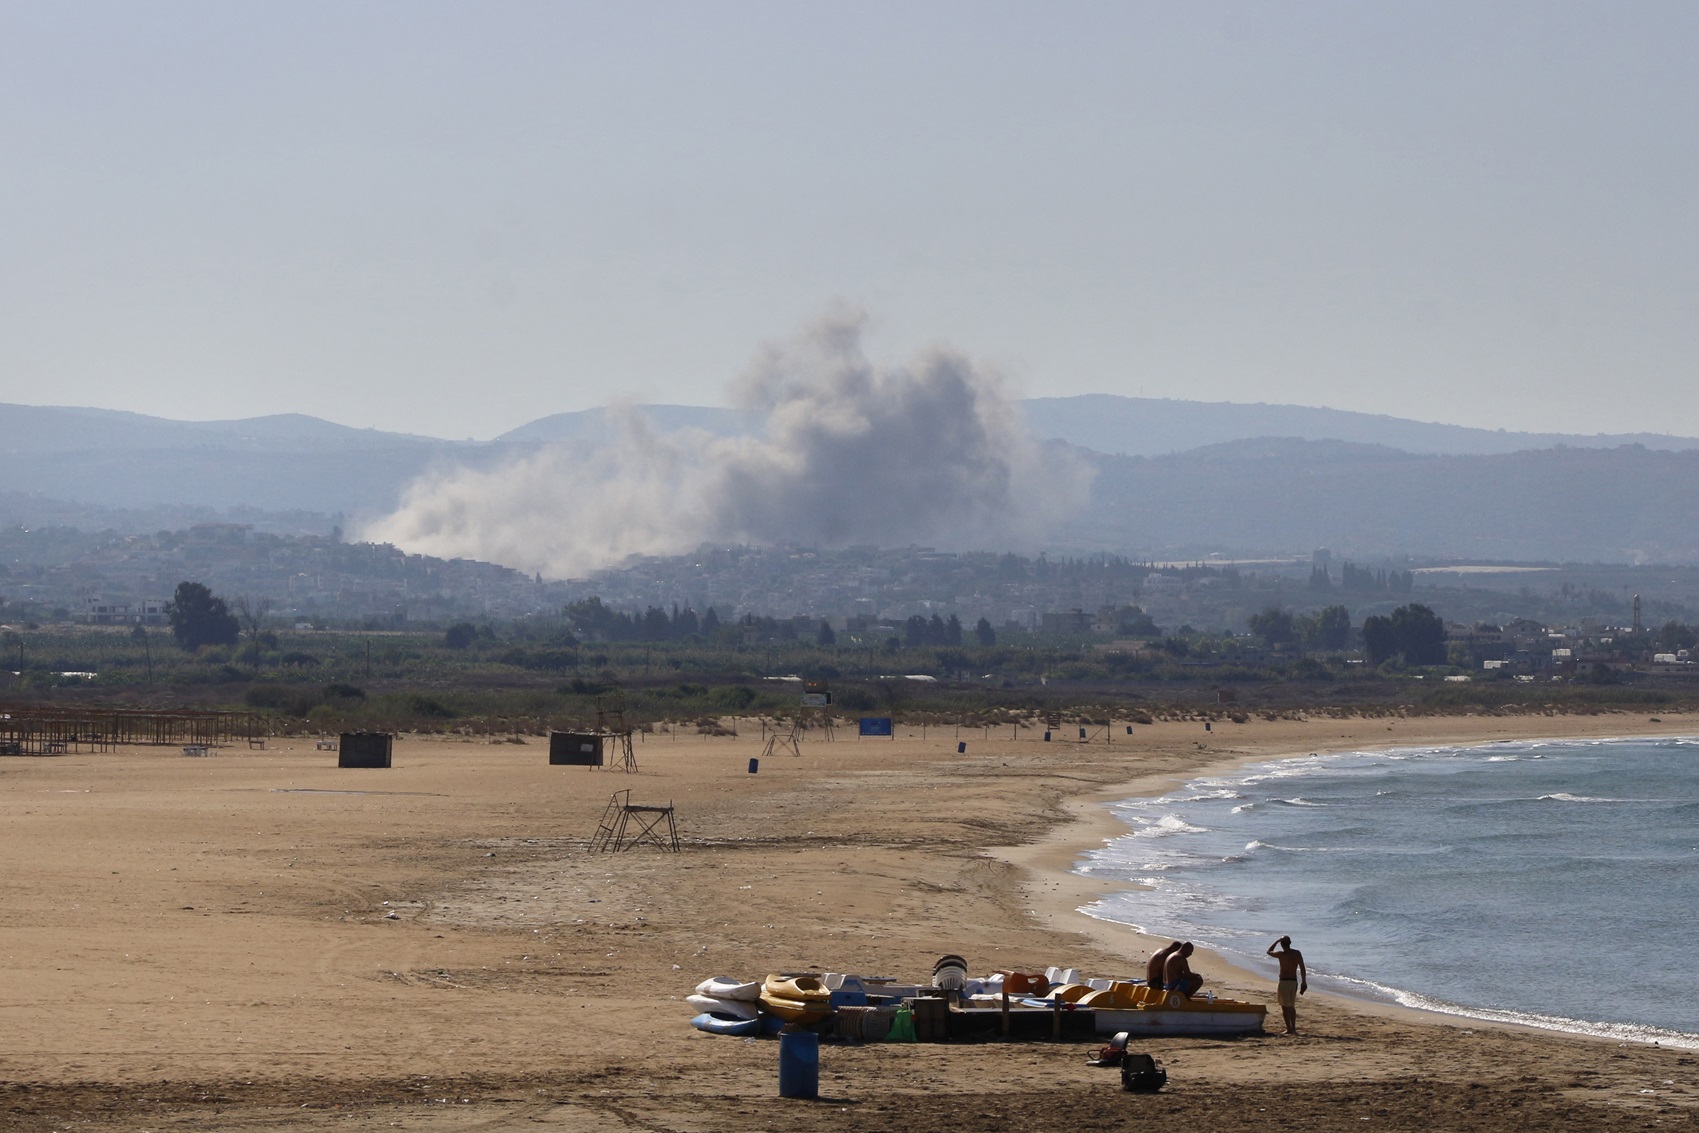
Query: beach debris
[(1142, 1074), (949, 973), (1111, 1054)]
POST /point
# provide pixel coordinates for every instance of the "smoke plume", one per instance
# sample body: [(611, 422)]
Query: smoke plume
[(934, 453)]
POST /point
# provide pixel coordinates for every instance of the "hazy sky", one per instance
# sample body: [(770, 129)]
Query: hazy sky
[(455, 218)]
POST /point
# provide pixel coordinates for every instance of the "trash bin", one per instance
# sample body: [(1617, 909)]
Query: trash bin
[(799, 1064)]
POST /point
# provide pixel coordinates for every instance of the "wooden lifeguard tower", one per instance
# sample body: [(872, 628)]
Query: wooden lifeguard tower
[(611, 725), (626, 824), (816, 705)]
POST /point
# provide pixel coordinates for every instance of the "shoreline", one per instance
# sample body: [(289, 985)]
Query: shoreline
[(1058, 892)]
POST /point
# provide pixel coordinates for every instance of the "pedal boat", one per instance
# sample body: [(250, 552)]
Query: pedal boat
[(797, 999), (1141, 1010)]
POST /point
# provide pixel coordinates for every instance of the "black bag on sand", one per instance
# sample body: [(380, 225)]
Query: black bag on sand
[(1141, 1075)]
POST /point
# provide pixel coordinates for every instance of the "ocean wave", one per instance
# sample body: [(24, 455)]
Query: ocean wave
[(1124, 861), (1117, 870), (1166, 826), (1258, 844), (1302, 801), (1566, 797), (1623, 1032)]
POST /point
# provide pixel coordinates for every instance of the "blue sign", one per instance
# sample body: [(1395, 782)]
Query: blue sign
[(875, 725)]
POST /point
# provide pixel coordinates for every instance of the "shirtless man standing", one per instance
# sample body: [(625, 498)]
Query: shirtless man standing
[(1294, 980), (1154, 971), (1177, 974)]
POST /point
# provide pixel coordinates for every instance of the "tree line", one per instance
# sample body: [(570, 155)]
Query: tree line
[(1412, 632)]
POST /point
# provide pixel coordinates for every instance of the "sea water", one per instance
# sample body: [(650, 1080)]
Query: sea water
[(1547, 883)]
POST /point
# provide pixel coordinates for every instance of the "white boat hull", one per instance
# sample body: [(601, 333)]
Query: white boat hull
[(716, 1005), (724, 987), (1165, 1022)]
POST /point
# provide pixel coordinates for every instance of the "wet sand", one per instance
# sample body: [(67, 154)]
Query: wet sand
[(262, 940)]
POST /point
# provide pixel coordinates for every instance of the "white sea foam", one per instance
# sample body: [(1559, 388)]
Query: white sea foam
[(1167, 826), (1623, 1032), (1206, 796), (1257, 844)]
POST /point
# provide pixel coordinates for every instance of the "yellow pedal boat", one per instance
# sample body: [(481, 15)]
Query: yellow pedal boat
[(796, 999)]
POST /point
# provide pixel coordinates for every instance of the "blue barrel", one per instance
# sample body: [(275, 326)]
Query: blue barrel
[(799, 1064), (754, 766), (1046, 737), (1082, 733), (961, 747)]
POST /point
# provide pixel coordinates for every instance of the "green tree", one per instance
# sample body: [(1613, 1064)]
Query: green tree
[(460, 635), (1420, 634), (252, 612), (199, 617), (1328, 629), (983, 632), (1380, 642), (825, 636), (1273, 625), (1675, 635)]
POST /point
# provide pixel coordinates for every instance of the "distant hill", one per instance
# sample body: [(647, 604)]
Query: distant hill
[(591, 423), (1360, 484), (1627, 504), (62, 429), (1144, 426), (112, 459)]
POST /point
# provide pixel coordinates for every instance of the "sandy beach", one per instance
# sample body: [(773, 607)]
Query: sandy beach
[(261, 940)]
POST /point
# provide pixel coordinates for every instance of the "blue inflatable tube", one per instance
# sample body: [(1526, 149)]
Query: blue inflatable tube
[(725, 1024)]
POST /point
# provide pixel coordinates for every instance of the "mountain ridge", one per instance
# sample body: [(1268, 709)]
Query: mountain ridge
[(1107, 423), (1267, 493)]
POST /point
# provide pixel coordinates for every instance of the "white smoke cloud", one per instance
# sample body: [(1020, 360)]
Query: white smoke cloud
[(933, 453)]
